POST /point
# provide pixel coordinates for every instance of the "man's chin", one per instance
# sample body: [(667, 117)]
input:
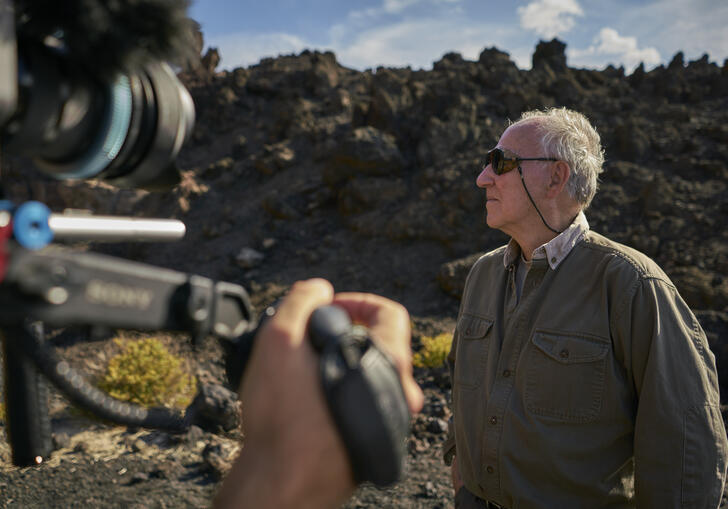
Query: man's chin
[(491, 222)]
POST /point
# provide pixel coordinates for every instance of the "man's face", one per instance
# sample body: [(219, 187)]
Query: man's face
[(507, 205)]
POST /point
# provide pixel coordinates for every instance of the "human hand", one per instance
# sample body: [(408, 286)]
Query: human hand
[(389, 326), (293, 455)]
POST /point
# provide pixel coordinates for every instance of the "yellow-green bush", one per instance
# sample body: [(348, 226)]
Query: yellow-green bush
[(146, 373), (2, 412), (433, 352)]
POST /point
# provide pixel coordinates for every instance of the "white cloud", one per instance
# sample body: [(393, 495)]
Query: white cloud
[(395, 6), (522, 56), (416, 43), (242, 50), (549, 18), (695, 28), (611, 48), (414, 33)]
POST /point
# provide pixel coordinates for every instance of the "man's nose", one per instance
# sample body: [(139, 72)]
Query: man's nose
[(486, 176)]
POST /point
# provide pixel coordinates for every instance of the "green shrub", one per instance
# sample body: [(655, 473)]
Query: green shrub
[(145, 373), (2, 412), (433, 352)]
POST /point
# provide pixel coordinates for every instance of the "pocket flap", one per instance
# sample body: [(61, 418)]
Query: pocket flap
[(570, 349), (473, 327)]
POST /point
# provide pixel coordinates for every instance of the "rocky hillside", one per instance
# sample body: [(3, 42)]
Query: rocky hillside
[(300, 167)]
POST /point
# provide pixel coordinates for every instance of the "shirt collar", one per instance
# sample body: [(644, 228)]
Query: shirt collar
[(554, 250)]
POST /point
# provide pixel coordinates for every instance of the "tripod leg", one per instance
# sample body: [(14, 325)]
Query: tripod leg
[(26, 399)]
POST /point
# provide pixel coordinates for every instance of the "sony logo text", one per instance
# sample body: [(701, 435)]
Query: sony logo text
[(118, 296)]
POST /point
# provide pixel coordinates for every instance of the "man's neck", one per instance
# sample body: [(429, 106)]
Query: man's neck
[(538, 234), (531, 243)]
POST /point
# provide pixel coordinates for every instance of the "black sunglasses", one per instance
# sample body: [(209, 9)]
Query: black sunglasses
[(502, 164)]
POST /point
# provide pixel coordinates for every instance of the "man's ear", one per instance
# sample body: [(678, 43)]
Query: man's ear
[(558, 176)]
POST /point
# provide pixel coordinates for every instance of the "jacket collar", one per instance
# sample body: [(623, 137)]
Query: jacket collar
[(554, 250)]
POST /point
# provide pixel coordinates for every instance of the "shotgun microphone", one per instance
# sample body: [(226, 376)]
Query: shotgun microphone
[(106, 37)]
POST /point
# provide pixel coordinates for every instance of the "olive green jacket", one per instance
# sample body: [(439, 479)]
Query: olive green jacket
[(596, 389)]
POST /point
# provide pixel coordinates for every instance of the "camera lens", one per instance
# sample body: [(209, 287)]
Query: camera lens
[(128, 131), (162, 118)]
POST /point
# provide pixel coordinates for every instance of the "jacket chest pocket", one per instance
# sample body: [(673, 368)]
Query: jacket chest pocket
[(565, 376), (472, 350)]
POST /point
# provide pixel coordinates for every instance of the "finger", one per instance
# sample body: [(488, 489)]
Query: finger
[(412, 392), (386, 319), (389, 324), (284, 332), (292, 315)]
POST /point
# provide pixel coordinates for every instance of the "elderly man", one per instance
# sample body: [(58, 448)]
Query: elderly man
[(580, 377)]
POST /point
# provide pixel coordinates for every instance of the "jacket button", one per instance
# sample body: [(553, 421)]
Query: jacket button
[(489, 469), (506, 373), (564, 354), (468, 331), (494, 420)]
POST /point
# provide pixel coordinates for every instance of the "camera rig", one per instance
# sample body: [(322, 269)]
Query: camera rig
[(62, 288), (124, 120), (41, 285)]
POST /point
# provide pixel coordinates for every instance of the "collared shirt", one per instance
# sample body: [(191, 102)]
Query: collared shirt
[(596, 389), (554, 250)]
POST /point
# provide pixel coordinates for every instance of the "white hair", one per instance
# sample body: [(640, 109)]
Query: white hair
[(569, 136)]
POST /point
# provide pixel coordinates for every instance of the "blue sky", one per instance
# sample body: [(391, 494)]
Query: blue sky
[(397, 33)]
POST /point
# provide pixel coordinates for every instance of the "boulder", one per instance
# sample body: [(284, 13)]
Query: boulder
[(365, 151)]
